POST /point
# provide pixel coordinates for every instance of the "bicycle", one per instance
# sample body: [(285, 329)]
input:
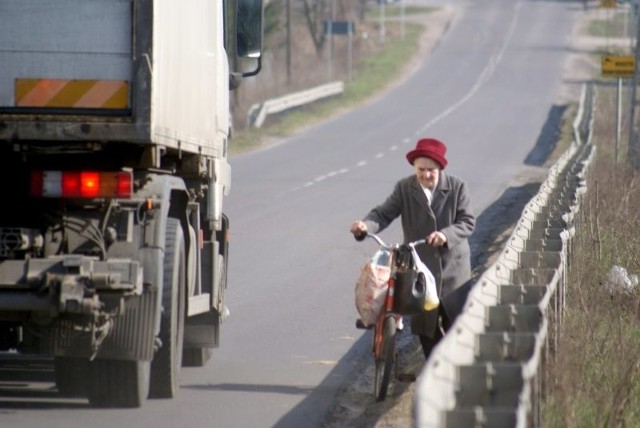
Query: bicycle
[(407, 293)]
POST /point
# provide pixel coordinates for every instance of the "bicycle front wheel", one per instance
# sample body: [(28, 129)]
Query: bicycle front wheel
[(384, 361)]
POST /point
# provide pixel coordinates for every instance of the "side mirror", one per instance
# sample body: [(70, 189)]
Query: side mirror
[(249, 32)]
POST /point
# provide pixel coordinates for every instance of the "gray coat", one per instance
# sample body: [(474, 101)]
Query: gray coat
[(450, 213)]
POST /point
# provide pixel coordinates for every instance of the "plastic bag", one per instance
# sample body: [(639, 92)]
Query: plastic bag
[(618, 280), (415, 290), (431, 299), (372, 285)]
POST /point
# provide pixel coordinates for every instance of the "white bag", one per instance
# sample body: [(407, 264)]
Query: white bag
[(415, 291), (431, 299), (372, 285)]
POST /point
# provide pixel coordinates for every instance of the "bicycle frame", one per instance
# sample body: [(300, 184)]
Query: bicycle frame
[(384, 332), (387, 311)]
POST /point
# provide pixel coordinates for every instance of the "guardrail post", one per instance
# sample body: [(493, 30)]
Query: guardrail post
[(258, 112)]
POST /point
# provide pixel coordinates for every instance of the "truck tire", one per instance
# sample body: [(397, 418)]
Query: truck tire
[(118, 383), (165, 367), (71, 376)]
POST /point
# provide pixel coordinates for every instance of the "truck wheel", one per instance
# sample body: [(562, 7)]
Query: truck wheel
[(165, 367), (71, 376), (118, 383)]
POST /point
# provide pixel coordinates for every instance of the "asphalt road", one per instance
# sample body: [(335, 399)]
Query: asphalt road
[(290, 344)]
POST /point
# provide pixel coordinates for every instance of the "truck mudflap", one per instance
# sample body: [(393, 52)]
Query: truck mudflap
[(80, 306)]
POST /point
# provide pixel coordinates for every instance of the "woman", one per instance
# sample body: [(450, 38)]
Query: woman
[(435, 206)]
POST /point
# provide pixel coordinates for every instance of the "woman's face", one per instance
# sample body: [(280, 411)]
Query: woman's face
[(427, 171)]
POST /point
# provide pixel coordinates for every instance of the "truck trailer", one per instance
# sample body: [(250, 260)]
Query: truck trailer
[(114, 135)]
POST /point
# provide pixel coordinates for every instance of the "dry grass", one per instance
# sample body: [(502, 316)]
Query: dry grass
[(595, 378), (612, 23), (308, 68), (374, 65)]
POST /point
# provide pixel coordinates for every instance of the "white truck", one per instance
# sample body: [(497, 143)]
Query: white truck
[(114, 128)]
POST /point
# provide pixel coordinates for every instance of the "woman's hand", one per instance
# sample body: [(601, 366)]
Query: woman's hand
[(359, 229), (437, 239)]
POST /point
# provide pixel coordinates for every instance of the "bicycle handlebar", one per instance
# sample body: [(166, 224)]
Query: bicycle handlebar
[(382, 243)]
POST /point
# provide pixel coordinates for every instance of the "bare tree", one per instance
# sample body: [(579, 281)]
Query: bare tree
[(362, 8), (315, 13), (352, 9)]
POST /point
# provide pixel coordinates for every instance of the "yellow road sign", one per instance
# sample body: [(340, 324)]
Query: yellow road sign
[(618, 65), (608, 4)]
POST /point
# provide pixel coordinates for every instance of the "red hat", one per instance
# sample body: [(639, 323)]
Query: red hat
[(429, 148)]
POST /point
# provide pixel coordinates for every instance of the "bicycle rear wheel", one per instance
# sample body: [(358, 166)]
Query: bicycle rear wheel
[(384, 361)]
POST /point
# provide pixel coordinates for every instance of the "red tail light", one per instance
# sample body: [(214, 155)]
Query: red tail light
[(124, 182), (89, 184), (81, 184), (70, 184)]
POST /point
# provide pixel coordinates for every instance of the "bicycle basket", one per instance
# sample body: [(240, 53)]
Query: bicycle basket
[(371, 287), (415, 290)]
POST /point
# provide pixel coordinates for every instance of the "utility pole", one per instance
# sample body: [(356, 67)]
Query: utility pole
[(382, 29), (402, 19), (288, 41), (633, 149), (330, 35)]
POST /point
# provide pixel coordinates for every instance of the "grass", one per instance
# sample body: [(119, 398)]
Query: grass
[(380, 70), (614, 24), (368, 78), (396, 11), (594, 380)]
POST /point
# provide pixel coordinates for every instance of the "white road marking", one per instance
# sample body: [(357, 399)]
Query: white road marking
[(487, 72)]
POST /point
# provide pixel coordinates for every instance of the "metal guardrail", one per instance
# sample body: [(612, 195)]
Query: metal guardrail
[(583, 122), (258, 112), (489, 370)]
